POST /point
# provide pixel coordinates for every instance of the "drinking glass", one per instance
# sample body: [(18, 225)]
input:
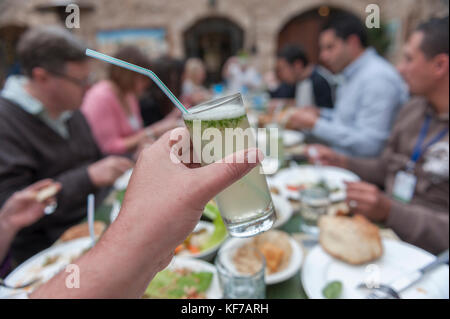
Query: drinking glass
[(218, 128), (314, 203), (238, 285)]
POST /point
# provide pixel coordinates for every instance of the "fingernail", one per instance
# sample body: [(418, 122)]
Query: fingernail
[(254, 156)]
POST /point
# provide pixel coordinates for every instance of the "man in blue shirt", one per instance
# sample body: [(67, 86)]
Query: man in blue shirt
[(368, 97)]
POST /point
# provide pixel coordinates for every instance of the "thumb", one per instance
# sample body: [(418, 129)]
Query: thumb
[(221, 174)]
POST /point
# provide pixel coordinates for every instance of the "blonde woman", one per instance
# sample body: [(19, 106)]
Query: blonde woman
[(193, 90)]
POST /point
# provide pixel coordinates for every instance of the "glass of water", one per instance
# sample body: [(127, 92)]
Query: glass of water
[(236, 284), (314, 203)]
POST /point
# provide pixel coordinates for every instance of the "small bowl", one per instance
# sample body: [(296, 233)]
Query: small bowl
[(207, 254)]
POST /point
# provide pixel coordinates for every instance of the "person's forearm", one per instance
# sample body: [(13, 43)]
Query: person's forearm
[(372, 170), (121, 265), (76, 185), (361, 141), (7, 234), (420, 226), (132, 142)]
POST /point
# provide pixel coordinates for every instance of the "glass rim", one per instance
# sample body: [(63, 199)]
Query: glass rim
[(220, 264), (315, 191), (208, 105)]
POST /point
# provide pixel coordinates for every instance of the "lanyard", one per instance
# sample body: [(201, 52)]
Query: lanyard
[(419, 149)]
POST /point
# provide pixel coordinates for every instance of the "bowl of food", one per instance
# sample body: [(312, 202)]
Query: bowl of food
[(282, 253), (206, 238), (185, 278), (202, 243)]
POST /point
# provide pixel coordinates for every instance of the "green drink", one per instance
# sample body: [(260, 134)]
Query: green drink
[(246, 206)]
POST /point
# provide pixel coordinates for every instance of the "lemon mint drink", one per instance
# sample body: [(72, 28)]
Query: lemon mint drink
[(246, 206)]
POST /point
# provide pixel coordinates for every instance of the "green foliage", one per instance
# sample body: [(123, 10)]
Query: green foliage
[(332, 290), (379, 38), (169, 284)]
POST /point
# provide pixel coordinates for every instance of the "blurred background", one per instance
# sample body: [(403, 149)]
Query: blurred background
[(212, 30)]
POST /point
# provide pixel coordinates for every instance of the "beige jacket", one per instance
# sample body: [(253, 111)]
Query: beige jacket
[(424, 221)]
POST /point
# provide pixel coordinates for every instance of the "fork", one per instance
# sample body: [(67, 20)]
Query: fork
[(383, 292), (392, 291), (28, 284)]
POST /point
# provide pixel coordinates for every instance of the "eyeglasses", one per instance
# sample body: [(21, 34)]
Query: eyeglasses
[(83, 83)]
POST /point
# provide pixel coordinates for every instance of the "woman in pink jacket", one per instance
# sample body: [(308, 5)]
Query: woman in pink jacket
[(112, 109)]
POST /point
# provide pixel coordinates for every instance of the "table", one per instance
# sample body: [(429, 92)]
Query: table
[(289, 289)]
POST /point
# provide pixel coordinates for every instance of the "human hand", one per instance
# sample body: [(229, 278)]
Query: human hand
[(366, 199), (303, 118), (160, 127), (105, 172), (176, 113), (143, 143), (23, 208), (277, 105), (163, 203), (165, 200), (323, 155)]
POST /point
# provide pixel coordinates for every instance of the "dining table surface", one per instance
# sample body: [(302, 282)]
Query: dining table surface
[(290, 289)]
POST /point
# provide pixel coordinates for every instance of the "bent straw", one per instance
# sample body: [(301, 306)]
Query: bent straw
[(141, 70)]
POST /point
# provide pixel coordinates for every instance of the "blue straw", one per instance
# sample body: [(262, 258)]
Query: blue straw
[(141, 70)]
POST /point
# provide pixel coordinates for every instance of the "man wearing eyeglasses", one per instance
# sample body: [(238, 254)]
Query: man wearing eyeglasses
[(43, 135)]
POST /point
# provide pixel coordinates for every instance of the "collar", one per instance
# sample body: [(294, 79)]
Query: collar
[(353, 67), (429, 110), (14, 90)]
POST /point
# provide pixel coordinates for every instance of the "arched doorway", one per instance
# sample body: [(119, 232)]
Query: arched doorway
[(9, 37), (312, 20), (213, 40)]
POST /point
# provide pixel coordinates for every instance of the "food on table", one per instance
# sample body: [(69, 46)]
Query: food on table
[(41, 271), (180, 283), (280, 117), (121, 195), (354, 240), (274, 190), (193, 243), (339, 209), (50, 260), (332, 290), (47, 193), (82, 230), (273, 256), (296, 187), (274, 245), (203, 239)]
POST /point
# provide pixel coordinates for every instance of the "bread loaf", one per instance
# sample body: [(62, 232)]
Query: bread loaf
[(354, 240)]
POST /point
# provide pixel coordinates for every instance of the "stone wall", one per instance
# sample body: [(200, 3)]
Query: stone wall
[(261, 20)]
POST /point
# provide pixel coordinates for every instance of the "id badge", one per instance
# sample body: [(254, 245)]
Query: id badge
[(404, 186)]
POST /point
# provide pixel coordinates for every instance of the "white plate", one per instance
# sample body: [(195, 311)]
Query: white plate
[(214, 291), (283, 210), (398, 258), (291, 138), (207, 254), (115, 210), (309, 174), (33, 267), (290, 271), (122, 182)]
